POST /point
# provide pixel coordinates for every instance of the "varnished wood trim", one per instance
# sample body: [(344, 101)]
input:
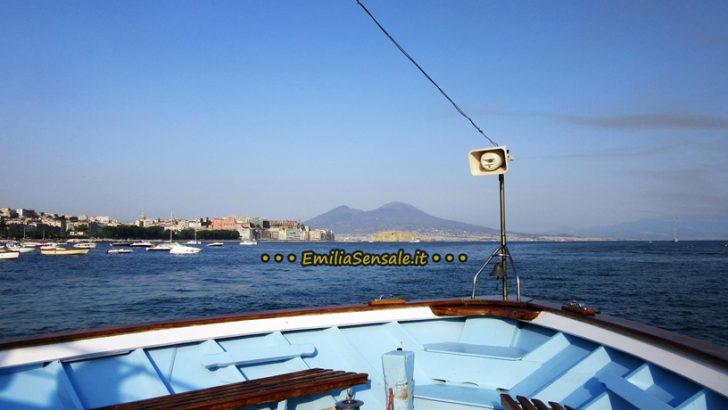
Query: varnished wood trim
[(506, 310), (380, 302)]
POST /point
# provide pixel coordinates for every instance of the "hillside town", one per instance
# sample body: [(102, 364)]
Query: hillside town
[(19, 223)]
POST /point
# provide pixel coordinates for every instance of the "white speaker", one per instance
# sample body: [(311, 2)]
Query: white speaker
[(489, 161)]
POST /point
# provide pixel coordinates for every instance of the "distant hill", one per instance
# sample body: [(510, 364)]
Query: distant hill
[(662, 229), (397, 216)]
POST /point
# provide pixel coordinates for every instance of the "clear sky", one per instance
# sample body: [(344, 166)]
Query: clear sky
[(613, 110)]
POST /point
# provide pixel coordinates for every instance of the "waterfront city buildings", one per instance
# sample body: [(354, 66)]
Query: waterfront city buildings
[(21, 222)]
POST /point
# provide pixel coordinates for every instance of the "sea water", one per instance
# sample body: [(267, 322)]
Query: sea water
[(676, 286)]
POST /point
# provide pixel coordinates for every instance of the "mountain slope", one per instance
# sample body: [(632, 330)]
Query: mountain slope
[(397, 216)]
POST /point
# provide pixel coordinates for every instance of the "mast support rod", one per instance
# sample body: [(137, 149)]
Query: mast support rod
[(501, 251), (503, 241)]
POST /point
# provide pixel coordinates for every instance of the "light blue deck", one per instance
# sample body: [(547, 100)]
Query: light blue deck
[(459, 364)]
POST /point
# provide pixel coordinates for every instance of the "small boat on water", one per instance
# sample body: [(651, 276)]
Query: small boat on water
[(49, 245), (141, 244), (6, 254), (178, 249), (160, 247), (249, 242), (215, 244), (30, 244), (16, 247), (60, 251), (120, 243), (117, 251)]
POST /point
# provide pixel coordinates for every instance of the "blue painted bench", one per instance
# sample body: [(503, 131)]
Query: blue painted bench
[(257, 355), (631, 393)]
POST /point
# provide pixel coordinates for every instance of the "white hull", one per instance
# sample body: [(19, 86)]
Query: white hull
[(63, 251), (6, 255), (119, 251), (178, 249), (21, 249), (144, 244), (163, 247)]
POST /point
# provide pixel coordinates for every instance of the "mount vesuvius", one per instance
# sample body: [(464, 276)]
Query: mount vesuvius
[(394, 216)]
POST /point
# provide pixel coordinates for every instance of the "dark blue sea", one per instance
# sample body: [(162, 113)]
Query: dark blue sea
[(676, 286)]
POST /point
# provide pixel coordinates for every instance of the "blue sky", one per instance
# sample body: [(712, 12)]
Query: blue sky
[(614, 111)]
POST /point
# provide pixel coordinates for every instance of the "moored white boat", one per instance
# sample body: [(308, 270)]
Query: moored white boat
[(161, 247), (178, 249), (6, 254), (120, 243), (49, 245), (215, 244), (119, 251), (248, 242), (20, 248), (59, 251), (141, 244)]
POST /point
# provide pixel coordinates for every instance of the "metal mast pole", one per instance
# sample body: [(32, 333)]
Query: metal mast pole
[(503, 241)]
